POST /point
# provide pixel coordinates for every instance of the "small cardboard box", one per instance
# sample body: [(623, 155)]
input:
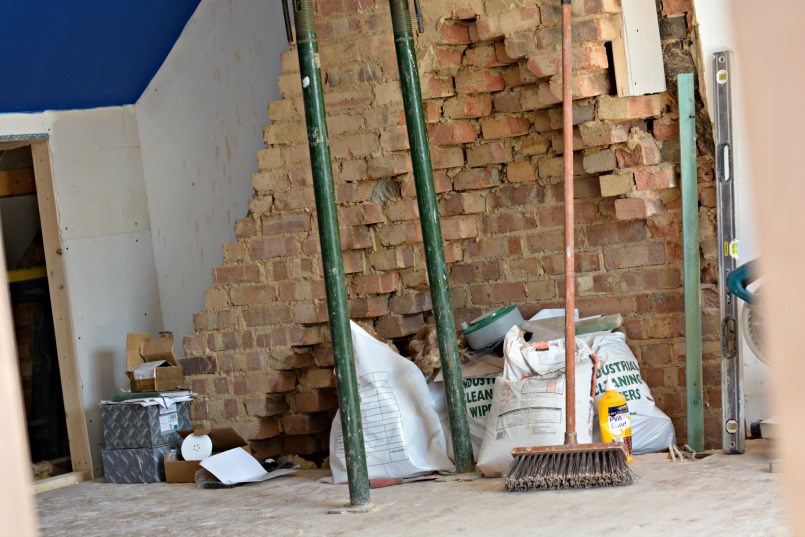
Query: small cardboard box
[(130, 425), (150, 363), (139, 465), (222, 440)]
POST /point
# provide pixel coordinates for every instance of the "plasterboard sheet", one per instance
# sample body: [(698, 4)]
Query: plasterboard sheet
[(200, 123), (113, 291), (99, 191), (638, 56)]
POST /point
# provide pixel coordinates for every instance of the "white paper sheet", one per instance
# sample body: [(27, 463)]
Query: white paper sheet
[(238, 466)]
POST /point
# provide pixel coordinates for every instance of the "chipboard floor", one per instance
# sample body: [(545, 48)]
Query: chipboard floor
[(730, 495)]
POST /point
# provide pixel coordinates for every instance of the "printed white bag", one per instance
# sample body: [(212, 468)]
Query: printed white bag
[(528, 403), (652, 429), (478, 394), (401, 430)]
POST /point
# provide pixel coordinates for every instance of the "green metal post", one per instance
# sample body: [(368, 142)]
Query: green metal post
[(432, 234), (337, 304), (690, 232)]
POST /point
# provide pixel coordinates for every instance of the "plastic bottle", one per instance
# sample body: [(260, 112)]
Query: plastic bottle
[(614, 419)]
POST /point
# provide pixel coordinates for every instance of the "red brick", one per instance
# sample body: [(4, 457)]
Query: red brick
[(489, 153), (651, 280), (584, 58), (584, 262), (293, 199), (616, 184), (655, 177), (624, 108), (522, 171), (498, 293), (268, 315), (274, 247), (301, 290), (468, 106), (495, 248), (318, 377), (355, 238), (642, 153), (366, 284), (315, 401), (308, 313), (453, 133), (598, 133), (676, 7), (236, 274), (508, 222), (476, 178), (504, 127), (509, 21), (615, 233), (458, 203), (665, 128), (459, 228), (400, 233), (509, 196), (633, 208), (470, 82), (669, 302), (446, 157), (484, 55), (245, 228), (590, 7), (435, 87), (291, 223), (389, 165), (269, 382), (253, 294), (368, 307), (454, 33), (265, 406), (585, 84), (394, 326), (448, 59), (634, 255), (299, 424)]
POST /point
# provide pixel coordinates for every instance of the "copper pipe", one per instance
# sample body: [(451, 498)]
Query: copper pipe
[(570, 262)]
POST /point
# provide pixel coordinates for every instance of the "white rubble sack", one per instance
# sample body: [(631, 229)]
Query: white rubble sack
[(652, 429), (528, 403), (401, 430)]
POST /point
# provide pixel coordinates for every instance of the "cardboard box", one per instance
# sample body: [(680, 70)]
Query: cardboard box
[(139, 465), (222, 440), (130, 425), (150, 363)]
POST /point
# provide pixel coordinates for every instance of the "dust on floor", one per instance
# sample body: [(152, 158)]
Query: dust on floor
[(730, 495)]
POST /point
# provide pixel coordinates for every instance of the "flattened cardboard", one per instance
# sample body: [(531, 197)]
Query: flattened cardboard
[(223, 439)]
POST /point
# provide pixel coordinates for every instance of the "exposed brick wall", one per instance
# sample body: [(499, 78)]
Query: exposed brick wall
[(260, 359)]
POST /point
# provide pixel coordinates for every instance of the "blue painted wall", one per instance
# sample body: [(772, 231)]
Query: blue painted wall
[(69, 54)]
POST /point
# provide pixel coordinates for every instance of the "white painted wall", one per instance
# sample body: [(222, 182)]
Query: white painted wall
[(105, 239), (716, 31), (200, 125)]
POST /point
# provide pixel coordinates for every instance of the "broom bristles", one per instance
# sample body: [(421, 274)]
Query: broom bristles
[(561, 467)]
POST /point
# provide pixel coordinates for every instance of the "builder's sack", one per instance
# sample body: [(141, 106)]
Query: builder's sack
[(528, 402), (401, 430), (652, 430)]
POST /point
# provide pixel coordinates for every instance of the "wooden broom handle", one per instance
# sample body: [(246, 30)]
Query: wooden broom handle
[(570, 280)]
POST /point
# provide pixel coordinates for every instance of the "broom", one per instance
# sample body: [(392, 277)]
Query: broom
[(571, 465)]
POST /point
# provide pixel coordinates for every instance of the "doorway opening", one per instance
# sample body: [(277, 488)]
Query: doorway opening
[(32, 314)]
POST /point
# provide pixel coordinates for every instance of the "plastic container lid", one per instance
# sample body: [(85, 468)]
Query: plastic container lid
[(487, 318)]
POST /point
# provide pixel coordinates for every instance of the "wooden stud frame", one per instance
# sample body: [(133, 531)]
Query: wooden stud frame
[(77, 432)]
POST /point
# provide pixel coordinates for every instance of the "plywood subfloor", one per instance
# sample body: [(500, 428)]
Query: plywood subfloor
[(731, 495)]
